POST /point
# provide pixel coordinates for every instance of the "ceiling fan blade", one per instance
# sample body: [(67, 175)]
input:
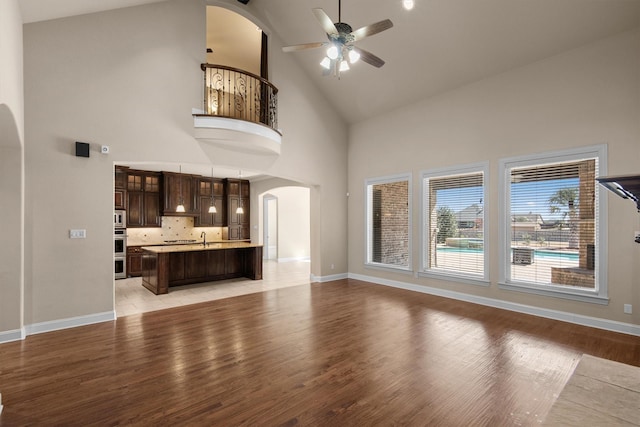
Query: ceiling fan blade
[(369, 57), (372, 29), (325, 21), (304, 46)]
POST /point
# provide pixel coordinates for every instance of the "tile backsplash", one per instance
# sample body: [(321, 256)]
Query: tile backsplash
[(173, 228)]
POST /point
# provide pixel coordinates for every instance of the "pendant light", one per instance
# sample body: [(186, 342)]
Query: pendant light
[(212, 208), (180, 207), (239, 210)]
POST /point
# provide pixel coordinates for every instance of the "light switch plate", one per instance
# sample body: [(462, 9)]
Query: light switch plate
[(77, 234)]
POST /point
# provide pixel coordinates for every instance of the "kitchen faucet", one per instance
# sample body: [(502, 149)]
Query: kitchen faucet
[(204, 240)]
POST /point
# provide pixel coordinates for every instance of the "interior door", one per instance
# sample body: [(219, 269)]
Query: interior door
[(270, 227)]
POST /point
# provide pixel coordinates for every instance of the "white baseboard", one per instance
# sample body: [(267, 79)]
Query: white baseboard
[(71, 322), (294, 259), (330, 278), (13, 335), (594, 322)]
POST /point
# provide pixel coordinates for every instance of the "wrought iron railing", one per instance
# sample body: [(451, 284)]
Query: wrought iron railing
[(233, 93)]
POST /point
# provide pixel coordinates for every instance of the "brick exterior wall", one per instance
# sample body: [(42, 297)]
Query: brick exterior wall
[(394, 222)]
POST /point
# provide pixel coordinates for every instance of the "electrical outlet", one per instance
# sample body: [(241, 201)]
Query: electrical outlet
[(332, 266), (628, 309), (77, 234)]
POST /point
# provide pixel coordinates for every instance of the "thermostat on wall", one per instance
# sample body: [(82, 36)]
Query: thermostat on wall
[(104, 149)]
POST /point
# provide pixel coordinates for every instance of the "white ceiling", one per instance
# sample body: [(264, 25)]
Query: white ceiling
[(441, 45), (438, 46)]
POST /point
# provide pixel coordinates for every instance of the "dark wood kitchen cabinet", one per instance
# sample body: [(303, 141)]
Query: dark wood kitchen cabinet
[(164, 267), (179, 187), (134, 261), (143, 199), (208, 190), (238, 191), (120, 188)]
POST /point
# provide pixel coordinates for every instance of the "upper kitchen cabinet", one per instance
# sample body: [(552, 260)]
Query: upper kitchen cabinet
[(143, 199), (179, 188), (210, 190), (238, 209), (120, 188)]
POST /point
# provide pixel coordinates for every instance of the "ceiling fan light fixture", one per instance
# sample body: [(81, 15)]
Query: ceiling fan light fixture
[(326, 63), (353, 56), (332, 52), (341, 38)]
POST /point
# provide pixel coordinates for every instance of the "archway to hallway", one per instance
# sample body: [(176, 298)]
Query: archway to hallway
[(11, 243), (286, 212)]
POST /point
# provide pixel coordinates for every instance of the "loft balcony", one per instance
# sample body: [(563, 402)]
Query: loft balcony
[(240, 111)]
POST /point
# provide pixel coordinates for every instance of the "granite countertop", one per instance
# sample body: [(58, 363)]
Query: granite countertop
[(200, 247), (183, 242)]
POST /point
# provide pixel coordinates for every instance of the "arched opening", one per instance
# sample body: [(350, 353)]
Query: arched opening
[(234, 41), (11, 248), (286, 212)]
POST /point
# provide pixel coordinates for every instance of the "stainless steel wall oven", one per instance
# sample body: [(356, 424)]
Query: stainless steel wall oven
[(120, 252)]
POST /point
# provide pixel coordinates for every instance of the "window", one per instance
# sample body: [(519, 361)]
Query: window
[(388, 228), (454, 229), (551, 224)]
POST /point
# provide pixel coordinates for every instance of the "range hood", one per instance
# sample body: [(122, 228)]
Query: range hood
[(627, 187)]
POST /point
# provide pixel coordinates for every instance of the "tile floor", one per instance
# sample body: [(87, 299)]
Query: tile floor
[(133, 298)]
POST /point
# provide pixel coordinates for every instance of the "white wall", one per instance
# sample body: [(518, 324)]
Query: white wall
[(129, 78), (11, 82), (11, 171), (583, 97), (293, 221)]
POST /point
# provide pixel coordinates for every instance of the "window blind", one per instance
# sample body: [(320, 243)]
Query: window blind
[(552, 214), (455, 224)]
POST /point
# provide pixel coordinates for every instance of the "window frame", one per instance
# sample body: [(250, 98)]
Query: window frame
[(599, 295), (425, 271), (368, 221)]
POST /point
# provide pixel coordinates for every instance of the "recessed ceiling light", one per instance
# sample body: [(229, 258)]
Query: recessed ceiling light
[(408, 4)]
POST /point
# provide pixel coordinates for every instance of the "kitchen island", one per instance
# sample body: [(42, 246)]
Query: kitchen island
[(174, 265)]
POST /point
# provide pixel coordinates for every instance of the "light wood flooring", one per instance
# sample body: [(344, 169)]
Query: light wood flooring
[(600, 392), (342, 353), (133, 298)]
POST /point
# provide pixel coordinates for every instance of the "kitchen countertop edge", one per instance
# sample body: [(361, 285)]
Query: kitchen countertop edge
[(200, 247)]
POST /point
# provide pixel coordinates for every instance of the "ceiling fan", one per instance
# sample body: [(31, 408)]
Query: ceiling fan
[(342, 52)]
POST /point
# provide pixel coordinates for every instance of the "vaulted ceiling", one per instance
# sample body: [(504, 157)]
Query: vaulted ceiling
[(438, 46)]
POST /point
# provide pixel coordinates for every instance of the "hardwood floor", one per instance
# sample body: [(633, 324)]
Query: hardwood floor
[(339, 353)]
